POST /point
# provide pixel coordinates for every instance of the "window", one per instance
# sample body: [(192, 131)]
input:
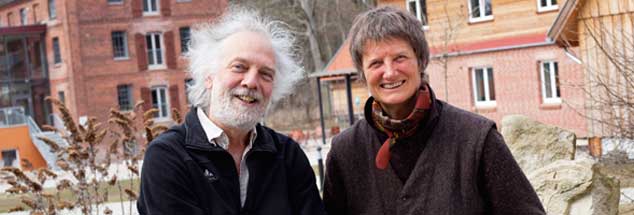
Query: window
[(188, 84), (52, 12), (150, 7), (549, 76), (35, 8), (119, 45), (480, 10), (419, 9), (57, 56), (154, 52), (9, 18), (159, 101), (10, 158), (546, 5), (61, 97), (124, 93), (115, 1), (23, 16), (185, 35), (483, 87)]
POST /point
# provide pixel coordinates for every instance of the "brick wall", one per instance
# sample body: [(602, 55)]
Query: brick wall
[(517, 85)]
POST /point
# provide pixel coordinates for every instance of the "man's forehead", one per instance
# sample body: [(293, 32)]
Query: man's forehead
[(250, 47)]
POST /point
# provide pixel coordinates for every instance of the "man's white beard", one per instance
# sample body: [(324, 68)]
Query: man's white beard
[(225, 108)]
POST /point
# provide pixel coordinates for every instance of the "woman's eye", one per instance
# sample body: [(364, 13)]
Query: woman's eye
[(374, 64)]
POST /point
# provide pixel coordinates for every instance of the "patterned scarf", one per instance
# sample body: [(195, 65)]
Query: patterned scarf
[(396, 129)]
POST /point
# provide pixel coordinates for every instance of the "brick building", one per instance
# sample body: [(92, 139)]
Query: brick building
[(113, 53), (491, 57)]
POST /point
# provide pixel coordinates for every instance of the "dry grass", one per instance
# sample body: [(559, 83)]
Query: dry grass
[(8, 201)]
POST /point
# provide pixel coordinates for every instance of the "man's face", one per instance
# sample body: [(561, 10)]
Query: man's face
[(241, 89)]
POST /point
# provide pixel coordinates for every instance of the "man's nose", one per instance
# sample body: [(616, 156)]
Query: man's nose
[(250, 79)]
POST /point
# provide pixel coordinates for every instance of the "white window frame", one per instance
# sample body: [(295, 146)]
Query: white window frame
[(57, 51), (118, 2), (24, 16), (487, 103), (160, 103), (125, 46), (549, 6), (16, 161), (482, 9), (150, 12), (153, 49), (419, 13), (553, 83), (128, 96)]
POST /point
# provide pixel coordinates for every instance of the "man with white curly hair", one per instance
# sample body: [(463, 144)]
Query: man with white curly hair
[(220, 160)]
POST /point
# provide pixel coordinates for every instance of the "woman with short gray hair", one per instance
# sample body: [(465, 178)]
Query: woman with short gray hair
[(415, 154)]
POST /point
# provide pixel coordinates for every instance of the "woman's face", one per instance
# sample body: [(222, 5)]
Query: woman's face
[(391, 71)]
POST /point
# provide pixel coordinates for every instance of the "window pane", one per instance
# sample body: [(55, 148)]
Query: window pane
[(185, 34), (153, 6), (145, 6), (57, 57), (553, 2), (557, 94), (118, 44), (489, 9), (543, 3), (52, 13), (491, 85), (475, 8), (157, 41), (412, 7), (9, 158), (163, 108), (423, 11), (547, 80), (155, 101), (479, 85), (150, 57), (149, 47), (125, 97)]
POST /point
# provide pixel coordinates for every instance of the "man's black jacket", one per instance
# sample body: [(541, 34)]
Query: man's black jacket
[(184, 174)]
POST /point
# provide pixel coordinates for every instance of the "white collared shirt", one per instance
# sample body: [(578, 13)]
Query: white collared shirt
[(216, 136)]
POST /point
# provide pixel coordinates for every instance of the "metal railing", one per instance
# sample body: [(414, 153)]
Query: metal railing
[(33, 127), (12, 116)]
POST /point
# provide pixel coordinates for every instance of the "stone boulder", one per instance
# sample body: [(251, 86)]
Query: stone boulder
[(535, 145), (565, 184), (575, 187)]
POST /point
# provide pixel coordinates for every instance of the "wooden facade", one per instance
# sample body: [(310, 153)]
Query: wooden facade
[(603, 31)]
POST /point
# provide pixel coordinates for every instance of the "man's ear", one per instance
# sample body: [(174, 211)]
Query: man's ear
[(209, 81)]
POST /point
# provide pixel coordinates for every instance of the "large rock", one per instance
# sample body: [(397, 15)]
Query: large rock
[(566, 185), (575, 187), (534, 144)]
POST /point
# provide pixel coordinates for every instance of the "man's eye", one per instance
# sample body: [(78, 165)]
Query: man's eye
[(239, 67), (267, 76)]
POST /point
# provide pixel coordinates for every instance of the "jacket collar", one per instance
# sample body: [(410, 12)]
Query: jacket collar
[(434, 110), (196, 138)]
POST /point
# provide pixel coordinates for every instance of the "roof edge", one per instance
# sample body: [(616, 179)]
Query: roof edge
[(554, 32)]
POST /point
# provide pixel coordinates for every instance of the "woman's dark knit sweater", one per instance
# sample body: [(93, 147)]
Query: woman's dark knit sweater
[(457, 163)]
